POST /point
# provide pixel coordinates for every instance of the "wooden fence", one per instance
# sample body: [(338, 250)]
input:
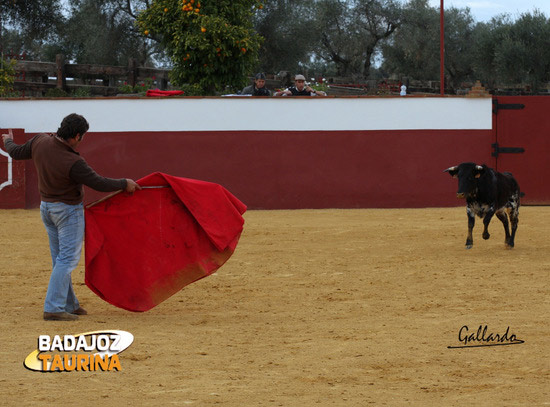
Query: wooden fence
[(37, 78)]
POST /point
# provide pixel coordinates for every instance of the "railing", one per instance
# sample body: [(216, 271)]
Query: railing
[(97, 80)]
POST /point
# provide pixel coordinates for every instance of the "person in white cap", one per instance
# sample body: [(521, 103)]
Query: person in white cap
[(300, 89)]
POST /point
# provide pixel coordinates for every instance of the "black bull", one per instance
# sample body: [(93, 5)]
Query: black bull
[(488, 193)]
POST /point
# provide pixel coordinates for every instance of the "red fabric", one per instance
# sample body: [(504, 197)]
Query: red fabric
[(156, 92), (143, 248)]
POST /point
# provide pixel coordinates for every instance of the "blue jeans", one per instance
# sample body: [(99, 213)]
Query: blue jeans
[(65, 226)]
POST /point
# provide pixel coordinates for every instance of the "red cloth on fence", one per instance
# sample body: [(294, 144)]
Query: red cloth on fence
[(143, 248), (157, 92)]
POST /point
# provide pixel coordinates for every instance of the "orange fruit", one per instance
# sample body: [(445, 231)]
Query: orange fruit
[(203, 29)]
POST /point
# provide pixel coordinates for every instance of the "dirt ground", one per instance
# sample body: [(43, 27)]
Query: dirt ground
[(315, 308)]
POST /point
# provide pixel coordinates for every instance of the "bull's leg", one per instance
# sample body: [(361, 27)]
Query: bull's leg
[(513, 212), (504, 219), (486, 221), (471, 223)]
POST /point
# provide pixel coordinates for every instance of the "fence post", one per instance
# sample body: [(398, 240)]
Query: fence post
[(132, 71), (60, 69), (163, 82)]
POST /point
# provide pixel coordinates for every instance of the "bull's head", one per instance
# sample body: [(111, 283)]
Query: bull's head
[(467, 173)]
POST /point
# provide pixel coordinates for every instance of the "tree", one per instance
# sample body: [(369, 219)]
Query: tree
[(414, 49), (103, 32), (33, 17), (25, 26), (523, 54), (339, 40), (211, 43), (488, 38), (378, 20), (460, 37), (351, 31), (288, 29)]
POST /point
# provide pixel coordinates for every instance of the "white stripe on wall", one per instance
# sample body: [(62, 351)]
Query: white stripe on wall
[(238, 113)]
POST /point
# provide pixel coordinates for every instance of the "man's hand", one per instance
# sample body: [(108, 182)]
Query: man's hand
[(131, 186), (8, 136)]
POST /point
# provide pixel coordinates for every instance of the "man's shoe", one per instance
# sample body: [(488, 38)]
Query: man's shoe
[(59, 316), (80, 311)]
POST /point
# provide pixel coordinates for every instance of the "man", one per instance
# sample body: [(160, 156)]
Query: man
[(61, 174), (300, 89), (258, 87)]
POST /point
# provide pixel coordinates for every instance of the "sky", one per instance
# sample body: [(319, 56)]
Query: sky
[(484, 10)]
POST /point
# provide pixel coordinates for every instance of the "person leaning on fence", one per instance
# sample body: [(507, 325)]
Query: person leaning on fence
[(258, 87), (300, 89), (61, 173)]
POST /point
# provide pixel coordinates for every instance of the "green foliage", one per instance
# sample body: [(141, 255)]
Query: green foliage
[(7, 77), (414, 49), (81, 93), (523, 55), (56, 93), (102, 32), (318, 86), (26, 26), (290, 34), (139, 88), (351, 32), (192, 90), (211, 43), (33, 17)]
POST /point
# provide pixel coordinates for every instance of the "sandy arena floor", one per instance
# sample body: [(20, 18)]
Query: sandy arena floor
[(315, 308)]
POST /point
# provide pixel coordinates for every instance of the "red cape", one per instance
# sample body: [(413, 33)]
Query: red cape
[(157, 93), (143, 248)]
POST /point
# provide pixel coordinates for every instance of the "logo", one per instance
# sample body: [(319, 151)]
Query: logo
[(90, 351), (482, 338)]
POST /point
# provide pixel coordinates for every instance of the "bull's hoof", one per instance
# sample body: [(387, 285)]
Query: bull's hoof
[(486, 235), (469, 246), (509, 245)]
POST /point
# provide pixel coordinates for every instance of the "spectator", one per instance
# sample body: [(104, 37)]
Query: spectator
[(258, 87), (300, 89)]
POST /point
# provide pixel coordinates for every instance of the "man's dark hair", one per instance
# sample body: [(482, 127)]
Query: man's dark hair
[(72, 125)]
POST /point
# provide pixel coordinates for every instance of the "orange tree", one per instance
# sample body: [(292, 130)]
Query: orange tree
[(212, 43)]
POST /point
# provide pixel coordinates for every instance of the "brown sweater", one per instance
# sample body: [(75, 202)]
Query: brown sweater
[(61, 170)]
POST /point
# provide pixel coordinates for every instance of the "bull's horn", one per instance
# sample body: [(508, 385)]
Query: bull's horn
[(451, 169), (479, 167)]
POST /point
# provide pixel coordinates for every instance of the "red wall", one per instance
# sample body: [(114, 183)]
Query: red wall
[(289, 170), (528, 128), (320, 169)]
